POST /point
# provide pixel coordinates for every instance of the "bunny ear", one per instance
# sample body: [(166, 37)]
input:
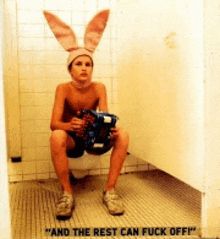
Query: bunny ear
[(62, 32), (95, 30)]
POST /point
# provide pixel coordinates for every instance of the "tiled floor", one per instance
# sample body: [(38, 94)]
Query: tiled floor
[(152, 199)]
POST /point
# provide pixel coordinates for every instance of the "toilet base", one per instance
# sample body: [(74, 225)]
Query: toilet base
[(78, 174), (80, 166)]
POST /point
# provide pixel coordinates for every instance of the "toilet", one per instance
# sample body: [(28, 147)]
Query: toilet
[(80, 166)]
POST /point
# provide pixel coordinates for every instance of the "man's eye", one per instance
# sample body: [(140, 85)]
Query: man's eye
[(88, 64), (78, 63)]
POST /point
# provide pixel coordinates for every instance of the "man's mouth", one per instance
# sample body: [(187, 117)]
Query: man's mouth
[(83, 74)]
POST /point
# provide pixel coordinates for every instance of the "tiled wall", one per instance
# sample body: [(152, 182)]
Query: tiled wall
[(41, 66)]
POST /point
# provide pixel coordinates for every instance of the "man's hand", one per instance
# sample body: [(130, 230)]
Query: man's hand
[(78, 125), (115, 133)]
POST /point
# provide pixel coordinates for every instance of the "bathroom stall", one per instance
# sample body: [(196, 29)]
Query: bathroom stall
[(168, 92)]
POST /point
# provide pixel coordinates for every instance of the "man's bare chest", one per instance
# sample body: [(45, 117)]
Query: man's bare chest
[(82, 100)]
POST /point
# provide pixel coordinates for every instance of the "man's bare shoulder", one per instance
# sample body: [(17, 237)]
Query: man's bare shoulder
[(100, 87), (63, 87)]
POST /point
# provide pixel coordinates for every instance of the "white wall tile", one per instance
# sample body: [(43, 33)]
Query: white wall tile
[(30, 16), (51, 44), (91, 6), (28, 154), (15, 178), (65, 5), (77, 5), (28, 127), (26, 86), (42, 166), (107, 32), (48, 31), (27, 99), (14, 168), (43, 153), (42, 112), (29, 177), (38, 43), (42, 85), (114, 97), (52, 5), (43, 176), (31, 30), (38, 57), (105, 46), (28, 140), (65, 16), (42, 126), (114, 34), (79, 32), (114, 84), (131, 169), (26, 71), (78, 18), (56, 57), (103, 4), (56, 71), (28, 112), (30, 5), (109, 96), (42, 99), (42, 139), (29, 167), (143, 167), (107, 82), (113, 4), (113, 108), (101, 58), (25, 57), (131, 161), (102, 71), (25, 44), (53, 175)]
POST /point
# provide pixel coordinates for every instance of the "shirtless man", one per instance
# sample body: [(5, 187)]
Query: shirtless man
[(71, 98)]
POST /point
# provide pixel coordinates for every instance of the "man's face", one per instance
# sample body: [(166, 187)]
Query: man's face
[(82, 68)]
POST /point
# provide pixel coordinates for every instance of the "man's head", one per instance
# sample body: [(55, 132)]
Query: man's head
[(81, 70)]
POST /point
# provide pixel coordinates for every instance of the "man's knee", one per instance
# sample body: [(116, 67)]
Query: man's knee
[(124, 136), (58, 139)]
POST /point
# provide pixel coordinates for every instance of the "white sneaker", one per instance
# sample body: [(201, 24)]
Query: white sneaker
[(65, 206), (113, 202)]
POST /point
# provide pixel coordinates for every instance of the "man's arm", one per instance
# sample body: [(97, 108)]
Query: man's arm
[(58, 109), (103, 105)]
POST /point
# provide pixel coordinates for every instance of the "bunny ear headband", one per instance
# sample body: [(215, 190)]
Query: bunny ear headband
[(67, 37)]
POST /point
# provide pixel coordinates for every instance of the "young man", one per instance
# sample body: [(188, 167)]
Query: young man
[(71, 98)]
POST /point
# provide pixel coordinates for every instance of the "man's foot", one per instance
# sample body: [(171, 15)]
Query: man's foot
[(65, 206), (113, 202)]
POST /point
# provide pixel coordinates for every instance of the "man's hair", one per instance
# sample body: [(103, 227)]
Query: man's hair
[(70, 65)]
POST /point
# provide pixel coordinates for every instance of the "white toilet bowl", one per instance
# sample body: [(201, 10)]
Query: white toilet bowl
[(80, 166)]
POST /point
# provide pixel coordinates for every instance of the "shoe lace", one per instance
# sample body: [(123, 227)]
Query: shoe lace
[(65, 200), (112, 195)]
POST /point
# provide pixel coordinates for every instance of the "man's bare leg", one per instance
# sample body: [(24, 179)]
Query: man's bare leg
[(60, 142), (117, 159)]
